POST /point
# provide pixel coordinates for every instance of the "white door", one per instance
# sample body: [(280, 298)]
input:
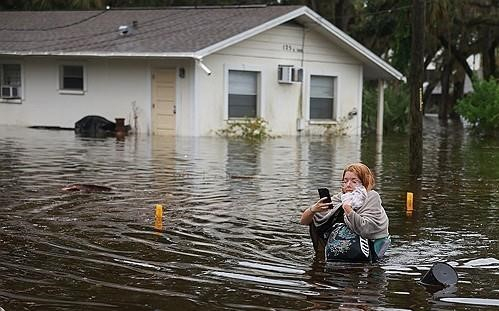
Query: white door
[(163, 101)]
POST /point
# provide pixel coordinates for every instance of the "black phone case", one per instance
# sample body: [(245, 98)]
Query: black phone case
[(324, 192)]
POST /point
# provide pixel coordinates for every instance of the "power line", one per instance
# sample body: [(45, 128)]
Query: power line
[(149, 35), (55, 27), (129, 39), (78, 37)]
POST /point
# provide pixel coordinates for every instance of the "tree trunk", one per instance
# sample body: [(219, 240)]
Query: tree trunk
[(416, 76), (443, 110), (485, 47), (339, 15), (492, 55), (314, 6), (458, 55), (487, 50), (458, 94)]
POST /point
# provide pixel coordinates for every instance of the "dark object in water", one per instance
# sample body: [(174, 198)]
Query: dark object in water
[(53, 128), (440, 274), (243, 176), (97, 126), (86, 188)]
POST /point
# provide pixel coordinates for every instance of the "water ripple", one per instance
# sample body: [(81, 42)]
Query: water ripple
[(229, 237)]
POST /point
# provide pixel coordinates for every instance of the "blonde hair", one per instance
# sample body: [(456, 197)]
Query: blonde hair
[(363, 172)]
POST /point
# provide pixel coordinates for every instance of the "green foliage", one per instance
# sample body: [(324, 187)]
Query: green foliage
[(383, 27), (369, 104), (396, 108), (250, 129), (481, 108)]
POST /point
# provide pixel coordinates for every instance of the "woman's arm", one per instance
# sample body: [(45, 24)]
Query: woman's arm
[(370, 221), (308, 215)]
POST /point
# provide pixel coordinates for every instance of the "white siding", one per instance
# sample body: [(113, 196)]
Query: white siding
[(113, 87), (281, 104), (110, 88)]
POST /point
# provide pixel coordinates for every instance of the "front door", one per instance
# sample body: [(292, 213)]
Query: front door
[(163, 101)]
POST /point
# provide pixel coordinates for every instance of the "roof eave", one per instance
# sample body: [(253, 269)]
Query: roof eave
[(249, 33), (356, 46), (100, 54), (351, 43)]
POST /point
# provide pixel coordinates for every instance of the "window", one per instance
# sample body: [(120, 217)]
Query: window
[(322, 97), (71, 78), (243, 94), (10, 80)]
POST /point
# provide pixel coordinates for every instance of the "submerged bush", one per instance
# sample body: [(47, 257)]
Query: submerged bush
[(339, 129), (481, 108), (251, 129)]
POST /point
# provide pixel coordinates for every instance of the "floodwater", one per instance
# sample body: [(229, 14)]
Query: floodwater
[(230, 237)]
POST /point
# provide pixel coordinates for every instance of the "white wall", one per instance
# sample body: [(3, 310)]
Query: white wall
[(113, 87), (281, 104), (323, 58)]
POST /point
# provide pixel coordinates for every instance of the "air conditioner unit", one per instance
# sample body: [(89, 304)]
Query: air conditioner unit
[(10, 92), (289, 74)]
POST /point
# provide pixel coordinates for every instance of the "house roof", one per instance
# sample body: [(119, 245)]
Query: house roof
[(171, 32)]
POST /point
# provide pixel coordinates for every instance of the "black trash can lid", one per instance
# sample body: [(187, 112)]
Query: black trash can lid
[(440, 274)]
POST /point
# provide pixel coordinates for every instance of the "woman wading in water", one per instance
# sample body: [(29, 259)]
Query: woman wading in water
[(358, 206)]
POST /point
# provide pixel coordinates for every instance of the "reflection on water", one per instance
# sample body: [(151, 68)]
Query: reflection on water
[(229, 236)]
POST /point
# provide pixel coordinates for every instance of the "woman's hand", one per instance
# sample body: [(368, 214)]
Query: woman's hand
[(308, 215), (320, 206), (347, 207)]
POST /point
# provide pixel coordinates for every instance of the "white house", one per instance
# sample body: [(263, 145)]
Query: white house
[(184, 71)]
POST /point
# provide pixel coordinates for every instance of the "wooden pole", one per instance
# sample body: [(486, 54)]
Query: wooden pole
[(416, 82)]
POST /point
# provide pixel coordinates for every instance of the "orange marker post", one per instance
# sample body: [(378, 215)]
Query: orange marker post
[(158, 217), (409, 203)]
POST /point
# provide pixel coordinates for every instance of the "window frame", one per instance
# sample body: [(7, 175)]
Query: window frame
[(61, 77), (334, 106), (259, 90), (19, 98)]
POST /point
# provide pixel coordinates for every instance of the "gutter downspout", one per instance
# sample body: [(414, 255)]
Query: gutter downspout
[(205, 68)]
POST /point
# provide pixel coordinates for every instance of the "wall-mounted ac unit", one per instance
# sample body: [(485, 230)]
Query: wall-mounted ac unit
[(10, 91), (289, 74)]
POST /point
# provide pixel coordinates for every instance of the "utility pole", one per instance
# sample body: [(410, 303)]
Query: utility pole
[(416, 84)]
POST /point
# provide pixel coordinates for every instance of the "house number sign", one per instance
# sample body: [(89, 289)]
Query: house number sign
[(290, 48)]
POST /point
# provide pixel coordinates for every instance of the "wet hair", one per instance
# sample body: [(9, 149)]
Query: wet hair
[(363, 172)]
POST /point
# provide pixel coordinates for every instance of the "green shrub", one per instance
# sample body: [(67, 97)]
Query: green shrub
[(396, 108), (481, 108), (369, 108), (251, 129)]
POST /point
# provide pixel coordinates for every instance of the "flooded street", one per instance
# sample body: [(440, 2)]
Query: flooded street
[(230, 237)]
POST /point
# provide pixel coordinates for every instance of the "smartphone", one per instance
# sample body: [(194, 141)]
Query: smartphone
[(324, 192)]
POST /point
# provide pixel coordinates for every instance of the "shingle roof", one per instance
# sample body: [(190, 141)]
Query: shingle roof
[(172, 30)]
